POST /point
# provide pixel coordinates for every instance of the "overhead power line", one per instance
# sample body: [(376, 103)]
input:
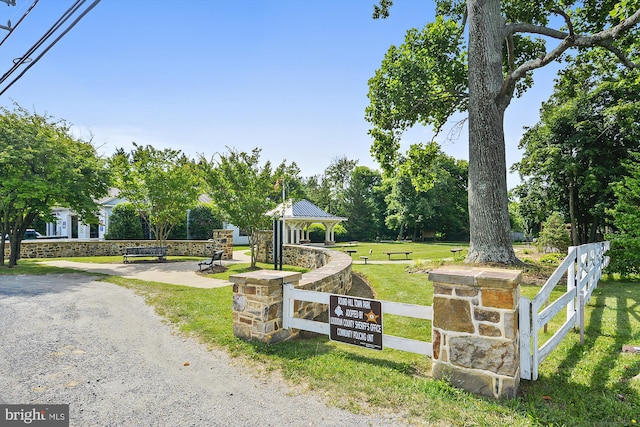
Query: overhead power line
[(24, 15), (62, 26)]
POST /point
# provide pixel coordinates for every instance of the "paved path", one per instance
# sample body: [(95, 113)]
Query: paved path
[(175, 273)]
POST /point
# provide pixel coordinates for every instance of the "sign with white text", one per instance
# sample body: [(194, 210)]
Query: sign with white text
[(355, 321)]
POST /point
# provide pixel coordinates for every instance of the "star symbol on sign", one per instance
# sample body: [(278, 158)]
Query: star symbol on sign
[(372, 317)]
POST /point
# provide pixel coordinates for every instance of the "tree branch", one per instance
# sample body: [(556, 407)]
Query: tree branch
[(603, 39), (567, 19)]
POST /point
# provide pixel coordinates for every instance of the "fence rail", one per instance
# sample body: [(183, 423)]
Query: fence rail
[(583, 268), (388, 307)]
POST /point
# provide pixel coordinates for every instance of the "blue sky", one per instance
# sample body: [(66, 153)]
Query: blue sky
[(288, 76)]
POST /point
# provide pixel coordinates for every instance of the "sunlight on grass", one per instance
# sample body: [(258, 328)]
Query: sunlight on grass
[(588, 385), (246, 267)]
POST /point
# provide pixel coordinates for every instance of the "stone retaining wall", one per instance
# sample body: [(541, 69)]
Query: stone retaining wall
[(475, 335), (257, 296), (54, 248)]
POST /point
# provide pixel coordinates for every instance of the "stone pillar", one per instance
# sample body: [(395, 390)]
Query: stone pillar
[(223, 241), (257, 304), (475, 329)]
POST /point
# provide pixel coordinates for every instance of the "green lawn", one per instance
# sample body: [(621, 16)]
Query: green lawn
[(420, 251), (578, 386), (246, 267), (588, 385)]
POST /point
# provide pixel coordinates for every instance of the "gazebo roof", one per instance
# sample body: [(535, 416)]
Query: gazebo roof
[(302, 210)]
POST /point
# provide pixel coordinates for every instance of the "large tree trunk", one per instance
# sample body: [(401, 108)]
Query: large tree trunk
[(488, 202), (14, 255)]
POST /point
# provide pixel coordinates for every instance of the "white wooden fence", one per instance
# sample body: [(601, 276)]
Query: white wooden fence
[(583, 267), (399, 343)]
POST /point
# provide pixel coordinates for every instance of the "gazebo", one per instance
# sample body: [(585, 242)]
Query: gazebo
[(298, 216)]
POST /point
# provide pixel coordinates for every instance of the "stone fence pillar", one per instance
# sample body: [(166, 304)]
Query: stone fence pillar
[(257, 304), (475, 329)]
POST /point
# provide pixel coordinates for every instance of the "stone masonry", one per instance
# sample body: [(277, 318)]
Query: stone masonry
[(257, 305), (54, 248), (258, 295), (475, 329)]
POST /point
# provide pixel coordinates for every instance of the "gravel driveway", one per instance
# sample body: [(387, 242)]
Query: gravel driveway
[(98, 347)]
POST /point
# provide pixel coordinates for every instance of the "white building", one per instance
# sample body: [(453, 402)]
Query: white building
[(68, 225)]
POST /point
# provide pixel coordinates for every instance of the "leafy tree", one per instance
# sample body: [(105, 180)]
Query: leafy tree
[(440, 70), (124, 223), (446, 202), (317, 190), (515, 218), (436, 201), (161, 185), (402, 199), (534, 205), (360, 204), (33, 179), (554, 236), (625, 243), (243, 191), (202, 222), (578, 147)]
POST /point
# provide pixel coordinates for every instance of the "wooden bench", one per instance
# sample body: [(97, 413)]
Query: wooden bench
[(217, 256), (144, 251), (406, 254), (454, 251)]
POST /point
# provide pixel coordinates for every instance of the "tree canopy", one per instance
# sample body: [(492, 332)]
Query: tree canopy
[(625, 243), (476, 56), (41, 166), (243, 190), (576, 151), (160, 184)]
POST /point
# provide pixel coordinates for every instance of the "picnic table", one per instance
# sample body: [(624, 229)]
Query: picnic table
[(406, 254)]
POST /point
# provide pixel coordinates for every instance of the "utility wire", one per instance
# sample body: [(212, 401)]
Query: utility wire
[(19, 21), (42, 39), (58, 24)]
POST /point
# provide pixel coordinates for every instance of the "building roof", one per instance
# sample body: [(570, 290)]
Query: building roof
[(302, 209)]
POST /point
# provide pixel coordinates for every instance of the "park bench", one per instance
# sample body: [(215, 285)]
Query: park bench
[(406, 254), (366, 257), (454, 251), (217, 256), (145, 251)]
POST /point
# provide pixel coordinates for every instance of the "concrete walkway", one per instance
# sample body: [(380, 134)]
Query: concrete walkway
[(182, 273), (176, 273)]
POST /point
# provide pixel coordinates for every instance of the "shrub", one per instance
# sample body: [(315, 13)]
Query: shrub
[(317, 233), (202, 222), (124, 223), (552, 258), (624, 255), (554, 236)]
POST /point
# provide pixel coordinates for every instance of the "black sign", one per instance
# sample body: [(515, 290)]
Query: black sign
[(355, 321)]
